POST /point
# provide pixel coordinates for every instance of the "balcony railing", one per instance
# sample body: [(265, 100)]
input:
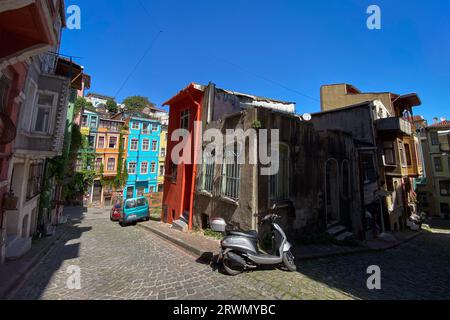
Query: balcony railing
[(394, 124)]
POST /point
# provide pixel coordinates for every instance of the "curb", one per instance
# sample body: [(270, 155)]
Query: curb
[(192, 249), (201, 253), (16, 279)]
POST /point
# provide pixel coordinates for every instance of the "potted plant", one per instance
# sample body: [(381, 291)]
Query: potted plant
[(10, 201)]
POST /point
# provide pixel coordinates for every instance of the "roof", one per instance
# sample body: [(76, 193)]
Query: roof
[(101, 96), (442, 124), (202, 88)]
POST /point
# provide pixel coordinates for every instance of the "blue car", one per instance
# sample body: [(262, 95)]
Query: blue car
[(134, 211)]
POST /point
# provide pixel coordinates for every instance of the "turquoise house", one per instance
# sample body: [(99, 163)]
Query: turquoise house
[(142, 154)]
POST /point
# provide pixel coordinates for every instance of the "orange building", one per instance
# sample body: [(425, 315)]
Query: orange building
[(111, 145)]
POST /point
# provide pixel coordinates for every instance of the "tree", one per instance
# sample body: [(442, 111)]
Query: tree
[(137, 103), (83, 104), (111, 105)]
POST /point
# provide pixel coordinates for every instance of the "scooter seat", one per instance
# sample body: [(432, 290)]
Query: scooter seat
[(246, 234)]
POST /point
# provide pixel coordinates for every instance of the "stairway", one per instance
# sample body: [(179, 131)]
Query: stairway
[(182, 224), (340, 233)]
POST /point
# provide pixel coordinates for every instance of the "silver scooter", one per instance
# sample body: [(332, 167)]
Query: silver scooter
[(240, 250)]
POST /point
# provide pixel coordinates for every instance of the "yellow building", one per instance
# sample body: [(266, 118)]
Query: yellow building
[(162, 157)]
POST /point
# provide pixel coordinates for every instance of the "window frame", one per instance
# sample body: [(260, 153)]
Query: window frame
[(444, 185), (116, 146), (108, 163), (135, 125), (434, 137), (277, 194), (435, 164), (231, 176), (103, 138), (148, 144), (152, 167), (131, 144), (129, 166), (154, 145), (142, 166), (185, 116), (208, 172), (51, 111)]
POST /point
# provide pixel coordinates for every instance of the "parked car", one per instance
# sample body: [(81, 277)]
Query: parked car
[(116, 212), (134, 210)]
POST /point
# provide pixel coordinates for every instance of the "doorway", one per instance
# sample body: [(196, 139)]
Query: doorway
[(332, 192)]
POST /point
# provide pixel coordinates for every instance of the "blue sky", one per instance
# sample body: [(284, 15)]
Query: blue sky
[(279, 49)]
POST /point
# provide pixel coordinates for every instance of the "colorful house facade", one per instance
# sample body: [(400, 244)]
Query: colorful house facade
[(110, 155), (162, 157), (142, 155)]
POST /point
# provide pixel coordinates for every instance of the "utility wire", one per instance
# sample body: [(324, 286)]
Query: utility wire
[(150, 47), (150, 16), (265, 78)]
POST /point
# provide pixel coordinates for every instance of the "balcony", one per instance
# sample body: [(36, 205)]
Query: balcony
[(394, 124)]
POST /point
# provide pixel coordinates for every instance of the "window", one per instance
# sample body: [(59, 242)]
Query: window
[(91, 142), (146, 145), (160, 188), (93, 122), (368, 167), (445, 208), (444, 186), (111, 164), (98, 164), (84, 121), (79, 165), (231, 175), (134, 144), (135, 125), (279, 182), (4, 89), (145, 128), (144, 167), (163, 153), (140, 191), (401, 149), (434, 138), (408, 155), (152, 189), (208, 172), (34, 180), (154, 127), (113, 142), (184, 120), (154, 145), (44, 108), (389, 153), (153, 167), (101, 143), (132, 168), (438, 164), (161, 170)]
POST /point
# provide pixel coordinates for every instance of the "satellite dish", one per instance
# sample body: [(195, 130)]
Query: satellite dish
[(7, 129)]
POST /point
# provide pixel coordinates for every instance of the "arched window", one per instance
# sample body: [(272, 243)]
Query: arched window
[(280, 182)]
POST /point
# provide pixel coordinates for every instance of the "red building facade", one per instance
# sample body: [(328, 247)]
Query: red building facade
[(185, 113)]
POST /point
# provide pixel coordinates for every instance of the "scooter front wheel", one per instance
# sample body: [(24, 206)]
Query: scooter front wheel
[(230, 267), (289, 261)]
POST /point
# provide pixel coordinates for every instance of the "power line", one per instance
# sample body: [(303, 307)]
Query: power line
[(265, 78), (150, 47)]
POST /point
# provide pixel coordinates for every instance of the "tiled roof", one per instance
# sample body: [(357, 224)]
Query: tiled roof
[(443, 124)]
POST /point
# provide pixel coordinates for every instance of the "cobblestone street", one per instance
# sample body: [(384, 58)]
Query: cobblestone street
[(131, 263)]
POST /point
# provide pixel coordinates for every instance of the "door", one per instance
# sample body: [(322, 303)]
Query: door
[(332, 192)]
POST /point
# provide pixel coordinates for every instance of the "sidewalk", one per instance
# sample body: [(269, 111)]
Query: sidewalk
[(206, 248), (12, 272)]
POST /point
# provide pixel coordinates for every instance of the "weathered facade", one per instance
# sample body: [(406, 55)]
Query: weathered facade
[(241, 192), (434, 191)]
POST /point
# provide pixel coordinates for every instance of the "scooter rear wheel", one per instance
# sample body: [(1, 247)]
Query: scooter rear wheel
[(231, 268)]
